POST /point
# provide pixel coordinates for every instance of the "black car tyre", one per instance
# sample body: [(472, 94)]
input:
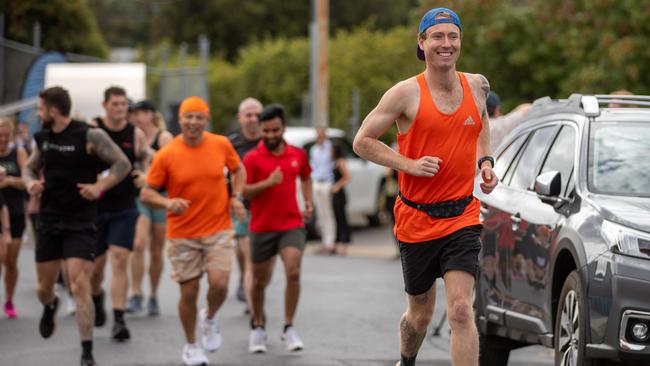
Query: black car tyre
[(571, 324)]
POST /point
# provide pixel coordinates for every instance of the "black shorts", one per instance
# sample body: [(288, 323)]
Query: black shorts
[(54, 243), (265, 245), (116, 228), (423, 262), (17, 225)]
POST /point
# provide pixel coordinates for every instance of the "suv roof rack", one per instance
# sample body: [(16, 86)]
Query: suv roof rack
[(590, 105)]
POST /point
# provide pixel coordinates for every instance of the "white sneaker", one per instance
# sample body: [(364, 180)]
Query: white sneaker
[(71, 305), (193, 355), (291, 340), (257, 341), (211, 336)]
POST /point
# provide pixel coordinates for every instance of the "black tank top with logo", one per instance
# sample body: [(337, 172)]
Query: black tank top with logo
[(122, 196), (66, 163), (14, 198)]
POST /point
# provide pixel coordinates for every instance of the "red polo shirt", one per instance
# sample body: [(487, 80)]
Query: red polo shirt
[(276, 208)]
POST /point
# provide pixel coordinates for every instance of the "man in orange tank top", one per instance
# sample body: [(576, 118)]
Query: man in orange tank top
[(443, 135)]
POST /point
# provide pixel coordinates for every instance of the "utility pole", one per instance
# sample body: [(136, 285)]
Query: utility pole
[(319, 63)]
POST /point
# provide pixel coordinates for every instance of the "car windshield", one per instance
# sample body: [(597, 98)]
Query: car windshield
[(619, 158)]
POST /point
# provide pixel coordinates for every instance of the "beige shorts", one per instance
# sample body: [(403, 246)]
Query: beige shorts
[(189, 258)]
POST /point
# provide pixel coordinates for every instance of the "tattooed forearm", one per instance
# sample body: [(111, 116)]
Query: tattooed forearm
[(33, 167), (109, 152), (410, 338)]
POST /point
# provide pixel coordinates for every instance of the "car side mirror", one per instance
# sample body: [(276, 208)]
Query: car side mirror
[(548, 187)]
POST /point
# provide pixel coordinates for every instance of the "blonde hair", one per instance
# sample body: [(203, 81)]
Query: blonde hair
[(159, 121), (8, 122)]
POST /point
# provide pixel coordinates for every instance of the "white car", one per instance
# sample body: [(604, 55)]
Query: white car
[(365, 192)]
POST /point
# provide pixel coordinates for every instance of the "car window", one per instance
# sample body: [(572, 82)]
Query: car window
[(505, 158), (529, 160), (561, 155)]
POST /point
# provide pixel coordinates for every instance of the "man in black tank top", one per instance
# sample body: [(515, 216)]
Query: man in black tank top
[(117, 213), (67, 153)]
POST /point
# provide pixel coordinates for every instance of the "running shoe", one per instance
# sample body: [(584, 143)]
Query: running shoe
[(241, 294), (134, 304), (10, 312), (211, 337), (48, 319), (100, 313), (152, 307), (193, 355), (257, 341), (291, 340), (120, 332), (70, 304), (88, 361)]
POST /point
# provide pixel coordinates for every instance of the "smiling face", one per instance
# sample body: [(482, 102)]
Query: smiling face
[(272, 131), (192, 126), (441, 45)]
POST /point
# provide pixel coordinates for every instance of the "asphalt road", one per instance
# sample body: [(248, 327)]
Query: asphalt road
[(347, 316)]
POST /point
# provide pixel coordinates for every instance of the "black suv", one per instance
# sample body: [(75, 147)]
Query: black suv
[(566, 238)]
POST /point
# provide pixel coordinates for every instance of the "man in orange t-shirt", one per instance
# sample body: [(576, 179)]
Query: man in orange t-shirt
[(443, 135), (199, 230)]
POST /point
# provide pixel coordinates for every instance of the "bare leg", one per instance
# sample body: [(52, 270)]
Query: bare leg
[(217, 290), (243, 246), (80, 272), (11, 274), (47, 273), (119, 278), (187, 308), (291, 258), (261, 278), (98, 275), (156, 260), (142, 229), (464, 336), (414, 323)]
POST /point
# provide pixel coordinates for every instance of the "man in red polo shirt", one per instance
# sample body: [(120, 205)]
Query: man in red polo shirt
[(276, 224)]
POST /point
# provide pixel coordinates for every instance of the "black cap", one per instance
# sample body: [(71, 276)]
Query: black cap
[(144, 105)]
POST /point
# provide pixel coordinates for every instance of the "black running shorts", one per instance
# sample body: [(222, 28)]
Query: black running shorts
[(423, 262), (54, 243)]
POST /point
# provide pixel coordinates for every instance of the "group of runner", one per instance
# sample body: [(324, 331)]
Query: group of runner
[(104, 196)]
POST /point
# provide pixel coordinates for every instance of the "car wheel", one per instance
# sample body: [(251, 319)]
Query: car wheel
[(571, 324), (374, 220)]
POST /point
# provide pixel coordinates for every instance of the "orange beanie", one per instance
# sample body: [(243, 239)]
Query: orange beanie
[(193, 104)]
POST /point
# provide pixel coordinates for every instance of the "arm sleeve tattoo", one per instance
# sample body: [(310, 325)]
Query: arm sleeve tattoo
[(109, 152)]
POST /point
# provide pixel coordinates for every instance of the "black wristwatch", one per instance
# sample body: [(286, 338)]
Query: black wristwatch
[(485, 158)]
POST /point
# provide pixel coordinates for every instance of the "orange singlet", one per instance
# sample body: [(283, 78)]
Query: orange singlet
[(452, 138)]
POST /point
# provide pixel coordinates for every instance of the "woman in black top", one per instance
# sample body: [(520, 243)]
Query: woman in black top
[(12, 159), (150, 227), (339, 200)]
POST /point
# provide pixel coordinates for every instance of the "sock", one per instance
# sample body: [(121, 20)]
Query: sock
[(118, 315), (286, 326), (87, 349), (408, 361), (97, 298), (51, 304)]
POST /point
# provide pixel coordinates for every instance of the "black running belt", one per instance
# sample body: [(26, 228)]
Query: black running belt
[(443, 209)]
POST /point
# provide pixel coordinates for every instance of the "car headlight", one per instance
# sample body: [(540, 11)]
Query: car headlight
[(626, 240)]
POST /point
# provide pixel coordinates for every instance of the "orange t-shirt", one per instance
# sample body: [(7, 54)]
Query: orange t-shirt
[(196, 173), (453, 138)]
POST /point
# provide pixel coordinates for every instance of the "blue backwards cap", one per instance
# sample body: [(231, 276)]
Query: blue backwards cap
[(429, 20)]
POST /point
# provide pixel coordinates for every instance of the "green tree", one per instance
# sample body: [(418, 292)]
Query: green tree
[(232, 24), (66, 25)]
